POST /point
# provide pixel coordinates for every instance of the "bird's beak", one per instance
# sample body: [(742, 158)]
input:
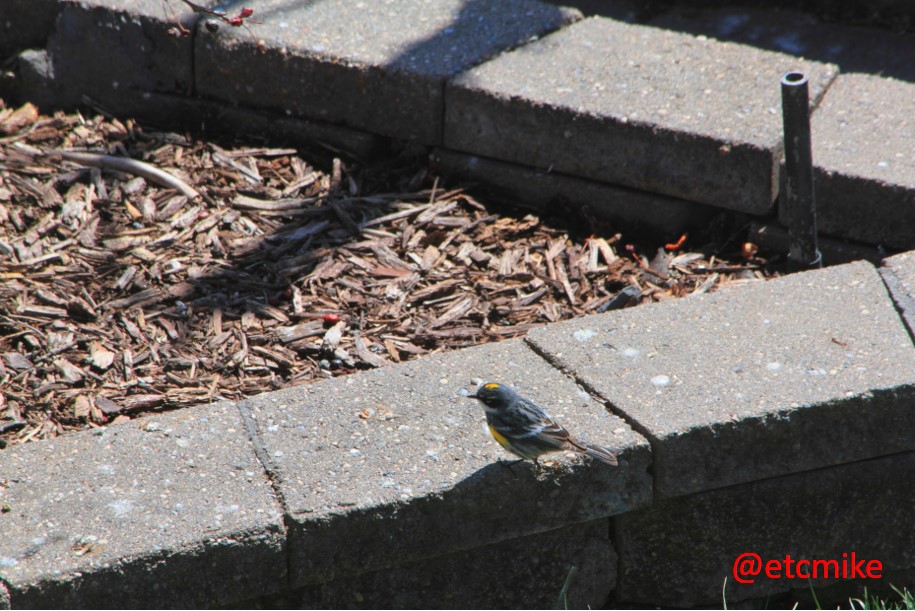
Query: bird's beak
[(472, 397)]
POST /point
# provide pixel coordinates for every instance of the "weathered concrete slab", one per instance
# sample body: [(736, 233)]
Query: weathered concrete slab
[(899, 275), (638, 211), (679, 552), (761, 380), (26, 24), (522, 573), (872, 50), (132, 53), (266, 126), (377, 66), (400, 460), (171, 510), (636, 106), (33, 81), (864, 153)]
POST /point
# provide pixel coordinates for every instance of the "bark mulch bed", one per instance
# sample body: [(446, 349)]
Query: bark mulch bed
[(207, 273)]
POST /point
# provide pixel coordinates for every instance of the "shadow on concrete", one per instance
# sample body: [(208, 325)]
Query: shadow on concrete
[(827, 32), (853, 48), (479, 30), (494, 503)]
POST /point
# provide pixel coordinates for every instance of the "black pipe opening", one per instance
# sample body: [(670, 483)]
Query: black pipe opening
[(799, 203)]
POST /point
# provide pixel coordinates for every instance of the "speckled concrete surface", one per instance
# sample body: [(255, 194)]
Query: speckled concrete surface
[(640, 212), (761, 380), (399, 459), (853, 48), (523, 573), (132, 52), (864, 152), (899, 274), (378, 66), (170, 510), (637, 106)]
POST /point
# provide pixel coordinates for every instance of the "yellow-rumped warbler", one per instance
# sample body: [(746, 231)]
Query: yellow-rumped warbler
[(526, 430)]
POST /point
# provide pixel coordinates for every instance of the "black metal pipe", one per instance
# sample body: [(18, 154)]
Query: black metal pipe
[(799, 201)]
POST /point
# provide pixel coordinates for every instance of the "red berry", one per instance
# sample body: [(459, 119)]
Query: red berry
[(331, 319), (236, 21), (246, 12)]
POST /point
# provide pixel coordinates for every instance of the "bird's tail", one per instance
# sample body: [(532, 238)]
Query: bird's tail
[(600, 453)]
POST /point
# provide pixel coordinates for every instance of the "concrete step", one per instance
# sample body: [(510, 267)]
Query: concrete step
[(401, 461), (757, 381), (636, 106), (864, 153), (173, 510), (377, 66)]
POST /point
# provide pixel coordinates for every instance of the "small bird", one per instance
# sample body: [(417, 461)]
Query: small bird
[(526, 430)]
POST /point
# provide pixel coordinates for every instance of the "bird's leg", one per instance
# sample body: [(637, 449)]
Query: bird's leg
[(510, 465)]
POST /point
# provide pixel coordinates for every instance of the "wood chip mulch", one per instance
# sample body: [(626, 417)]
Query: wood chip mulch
[(207, 273)]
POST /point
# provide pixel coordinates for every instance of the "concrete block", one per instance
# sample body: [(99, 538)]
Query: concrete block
[(524, 573), (872, 50), (26, 24), (399, 460), (35, 81), (132, 52), (865, 161), (636, 106), (761, 380), (636, 211), (262, 125), (170, 510), (376, 66), (678, 552), (899, 275)]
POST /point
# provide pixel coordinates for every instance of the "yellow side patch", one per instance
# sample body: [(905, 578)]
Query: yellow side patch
[(500, 438)]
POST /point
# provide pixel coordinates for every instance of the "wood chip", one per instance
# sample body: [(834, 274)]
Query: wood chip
[(101, 357), (139, 402), (107, 406), (82, 405), (23, 117), (71, 373), (42, 311)]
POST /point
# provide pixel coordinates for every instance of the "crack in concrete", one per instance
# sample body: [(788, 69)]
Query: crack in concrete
[(260, 452), (902, 301), (608, 405), (613, 409)]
